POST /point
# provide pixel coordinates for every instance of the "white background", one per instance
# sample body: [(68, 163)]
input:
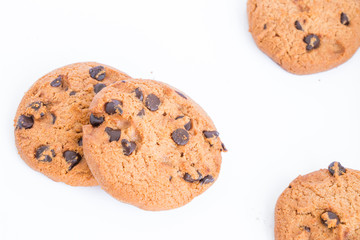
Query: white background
[(275, 124)]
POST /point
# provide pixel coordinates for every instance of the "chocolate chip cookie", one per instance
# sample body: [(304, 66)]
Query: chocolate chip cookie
[(306, 36), (48, 122), (323, 205), (150, 145)]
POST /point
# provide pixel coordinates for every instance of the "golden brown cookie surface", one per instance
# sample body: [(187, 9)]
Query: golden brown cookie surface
[(306, 36), (323, 205), (49, 119), (150, 145)]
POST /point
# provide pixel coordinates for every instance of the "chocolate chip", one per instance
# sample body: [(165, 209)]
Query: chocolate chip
[(72, 93), (200, 176), (98, 87), (344, 19), (53, 118), (188, 126), (224, 149), (170, 178), (114, 134), (312, 41), (80, 142), (152, 102), (72, 157), (330, 219), (187, 177), (42, 154), (180, 137), (210, 134), (336, 169), (113, 107), (206, 180), (182, 95), (25, 122), (36, 105), (179, 117), (141, 113), (96, 121), (307, 229), (57, 82), (298, 26), (139, 94), (128, 147), (265, 26), (97, 73)]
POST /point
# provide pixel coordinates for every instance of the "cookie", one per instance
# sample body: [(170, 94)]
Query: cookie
[(150, 145), (49, 119), (323, 205), (306, 36)]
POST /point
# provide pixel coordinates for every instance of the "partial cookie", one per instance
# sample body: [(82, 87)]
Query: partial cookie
[(150, 145), (306, 36), (323, 205), (48, 122)]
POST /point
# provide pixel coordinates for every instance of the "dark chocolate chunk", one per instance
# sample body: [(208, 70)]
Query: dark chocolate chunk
[(307, 229), (265, 26), (72, 157), (57, 82), (188, 126), (98, 87), (330, 219), (96, 121), (210, 134), (182, 95), (336, 169), (141, 113), (53, 118), (207, 179), (97, 73), (25, 122), (344, 19), (180, 137), (113, 107), (187, 177), (139, 94), (152, 102), (43, 154), (80, 142), (312, 41), (114, 134), (128, 147), (72, 93), (36, 105), (179, 117), (298, 26), (224, 149)]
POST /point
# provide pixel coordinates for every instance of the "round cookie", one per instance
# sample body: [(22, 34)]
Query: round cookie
[(151, 146), (49, 119), (306, 36), (323, 205)]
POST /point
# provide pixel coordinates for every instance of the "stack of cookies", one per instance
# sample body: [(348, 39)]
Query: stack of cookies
[(142, 141)]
